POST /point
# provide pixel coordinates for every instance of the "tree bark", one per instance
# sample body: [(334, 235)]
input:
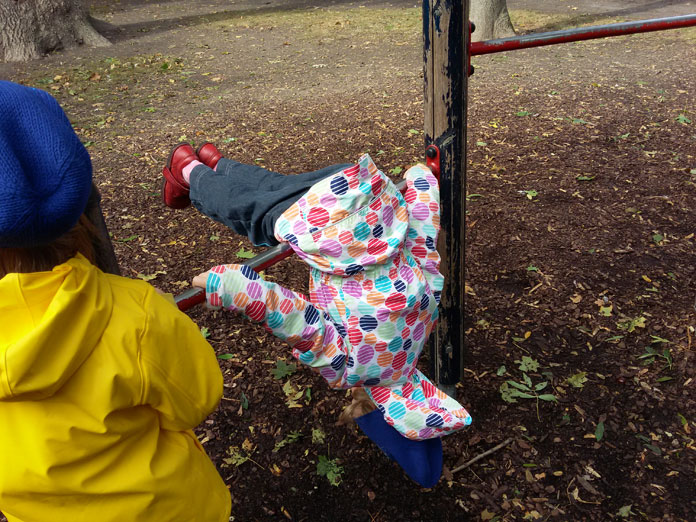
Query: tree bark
[(491, 18), (32, 28)]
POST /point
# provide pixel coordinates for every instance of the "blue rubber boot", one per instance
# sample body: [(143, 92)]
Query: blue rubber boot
[(420, 459)]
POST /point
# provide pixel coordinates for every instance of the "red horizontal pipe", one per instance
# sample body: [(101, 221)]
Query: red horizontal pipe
[(195, 296), (581, 33)]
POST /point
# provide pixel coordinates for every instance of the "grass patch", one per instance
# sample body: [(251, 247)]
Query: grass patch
[(372, 24), (688, 34), (95, 79), (527, 21)]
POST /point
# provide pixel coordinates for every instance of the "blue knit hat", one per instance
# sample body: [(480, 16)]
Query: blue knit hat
[(45, 171)]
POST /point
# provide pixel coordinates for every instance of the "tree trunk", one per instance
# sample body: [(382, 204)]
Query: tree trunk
[(31, 28), (491, 18)]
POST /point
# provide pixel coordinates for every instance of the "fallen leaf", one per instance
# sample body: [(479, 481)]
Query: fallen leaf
[(487, 515)]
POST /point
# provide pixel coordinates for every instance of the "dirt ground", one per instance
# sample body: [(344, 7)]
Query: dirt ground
[(581, 204)]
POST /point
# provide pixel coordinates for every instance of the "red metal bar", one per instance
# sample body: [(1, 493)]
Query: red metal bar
[(581, 33), (195, 296)]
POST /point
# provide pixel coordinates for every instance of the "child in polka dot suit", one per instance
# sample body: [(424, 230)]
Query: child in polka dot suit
[(374, 291)]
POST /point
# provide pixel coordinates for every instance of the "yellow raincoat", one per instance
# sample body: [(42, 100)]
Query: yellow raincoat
[(101, 382)]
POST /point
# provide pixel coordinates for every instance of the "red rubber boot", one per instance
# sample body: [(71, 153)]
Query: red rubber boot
[(175, 189), (208, 154)]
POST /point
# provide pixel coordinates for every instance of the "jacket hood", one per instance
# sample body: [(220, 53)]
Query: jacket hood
[(330, 225), (51, 323)]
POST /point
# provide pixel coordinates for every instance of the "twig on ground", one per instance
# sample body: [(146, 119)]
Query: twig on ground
[(482, 455)]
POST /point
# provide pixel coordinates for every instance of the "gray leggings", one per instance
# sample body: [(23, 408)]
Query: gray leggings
[(249, 199)]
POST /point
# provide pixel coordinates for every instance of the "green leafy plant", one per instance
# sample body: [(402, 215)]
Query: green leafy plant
[(318, 436), (283, 369), (238, 456), (293, 436), (683, 422), (244, 254), (683, 119), (511, 390), (653, 353), (630, 325), (625, 511), (578, 380), (647, 442), (606, 310), (599, 431), (330, 469), (621, 136), (530, 194), (527, 364)]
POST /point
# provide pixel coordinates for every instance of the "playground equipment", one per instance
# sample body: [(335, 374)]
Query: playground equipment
[(447, 52), (580, 33)]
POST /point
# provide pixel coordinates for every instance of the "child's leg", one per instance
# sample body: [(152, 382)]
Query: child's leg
[(248, 198), (360, 405)]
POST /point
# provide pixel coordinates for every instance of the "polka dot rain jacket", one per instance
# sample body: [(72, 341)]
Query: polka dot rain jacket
[(374, 291)]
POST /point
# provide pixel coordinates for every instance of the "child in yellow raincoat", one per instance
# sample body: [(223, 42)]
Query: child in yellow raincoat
[(101, 379)]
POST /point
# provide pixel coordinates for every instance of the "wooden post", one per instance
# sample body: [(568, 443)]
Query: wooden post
[(446, 74)]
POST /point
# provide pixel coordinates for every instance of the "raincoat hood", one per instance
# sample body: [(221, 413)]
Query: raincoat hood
[(51, 323), (346, 223)]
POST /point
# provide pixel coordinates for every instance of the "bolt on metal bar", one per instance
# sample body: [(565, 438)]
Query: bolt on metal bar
[(581, 33)]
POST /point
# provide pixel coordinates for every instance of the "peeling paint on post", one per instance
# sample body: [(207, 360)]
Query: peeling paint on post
[(445, 47)]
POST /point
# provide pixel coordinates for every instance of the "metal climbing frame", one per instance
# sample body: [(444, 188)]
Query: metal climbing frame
[(447, 52)]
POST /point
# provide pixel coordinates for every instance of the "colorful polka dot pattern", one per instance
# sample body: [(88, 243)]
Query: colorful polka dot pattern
[(348, 221), (374, 291)]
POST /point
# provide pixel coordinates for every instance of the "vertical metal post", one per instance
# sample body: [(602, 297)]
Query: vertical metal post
[(445, 50)]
